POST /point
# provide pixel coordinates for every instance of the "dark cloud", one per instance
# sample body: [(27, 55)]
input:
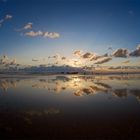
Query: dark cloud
[(110, 48), (87, 55), (77, 53), (136, 52), (13, 62), (63, 58), (121, 53), (104, 60)]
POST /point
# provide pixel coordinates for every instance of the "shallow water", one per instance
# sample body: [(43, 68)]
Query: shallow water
[(70, 106)]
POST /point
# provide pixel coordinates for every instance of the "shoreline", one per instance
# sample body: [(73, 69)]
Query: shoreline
[(31, 75)]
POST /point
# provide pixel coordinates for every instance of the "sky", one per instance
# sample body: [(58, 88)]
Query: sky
[(33, 30)]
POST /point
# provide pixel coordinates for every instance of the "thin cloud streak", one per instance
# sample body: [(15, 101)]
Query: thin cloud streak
[(52, 35), (104, 60)]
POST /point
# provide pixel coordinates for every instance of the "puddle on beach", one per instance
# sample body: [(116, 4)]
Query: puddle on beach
[(70, 106)]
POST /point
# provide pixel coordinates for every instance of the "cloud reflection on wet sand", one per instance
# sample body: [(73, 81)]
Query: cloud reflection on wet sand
[(37, 111), (80, 85)]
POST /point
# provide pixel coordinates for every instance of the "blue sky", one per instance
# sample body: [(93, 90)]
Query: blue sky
[(88, 25)]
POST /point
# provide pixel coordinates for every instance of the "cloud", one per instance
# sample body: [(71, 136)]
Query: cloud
[(104, 60), (57, 56), (4, 60), (87, 55), (136, 52), (110, 48), (96, 57), (121, 53), (77, 53), (7, 17), (13, 62), (1, 21), (27, 26), (51, 35), (34, 60), (33, 34), (5, 57), (63, 58)]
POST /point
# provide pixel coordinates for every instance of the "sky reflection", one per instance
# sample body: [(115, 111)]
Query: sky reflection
[(69, 104), (116, 86)]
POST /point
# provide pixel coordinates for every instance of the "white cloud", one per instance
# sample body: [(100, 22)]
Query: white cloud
[(7, 17), (33, 34), (51, 35), (28, 26)]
